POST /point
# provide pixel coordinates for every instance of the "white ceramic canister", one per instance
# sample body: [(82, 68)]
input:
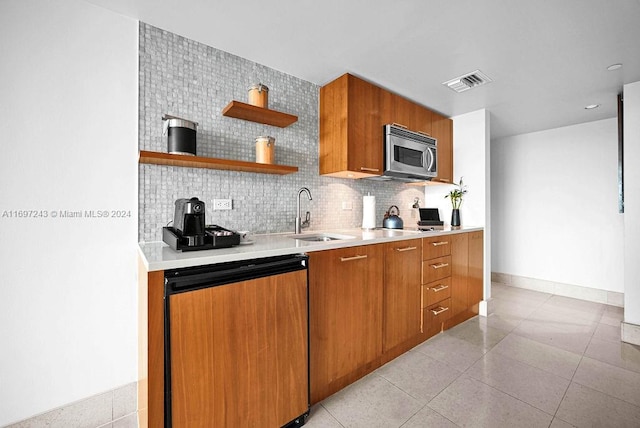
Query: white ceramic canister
[(259, 95), (265, 150)]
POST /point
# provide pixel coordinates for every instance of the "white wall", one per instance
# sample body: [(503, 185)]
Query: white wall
[(68, 79), (632, 204), (471, 161), (555, 207)]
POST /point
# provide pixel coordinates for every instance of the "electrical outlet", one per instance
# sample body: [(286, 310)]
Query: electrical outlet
[(347, 205), (222, 204)]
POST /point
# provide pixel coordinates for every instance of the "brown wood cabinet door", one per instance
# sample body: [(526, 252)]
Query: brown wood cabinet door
[(459, 272), (239, 353), (345, 314), (442, 130), (404, 112), (402, 272), (351, 134), (475, 286), (366, 136), (333, 153), (423, 120), (386, 106), (153, 304)]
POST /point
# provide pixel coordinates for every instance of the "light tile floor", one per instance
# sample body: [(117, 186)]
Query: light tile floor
[(539, 360)]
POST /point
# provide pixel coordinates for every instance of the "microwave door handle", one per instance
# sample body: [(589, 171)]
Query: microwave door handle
[(428, 158)]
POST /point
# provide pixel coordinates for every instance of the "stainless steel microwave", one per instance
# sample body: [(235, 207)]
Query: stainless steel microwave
[(409, 156)]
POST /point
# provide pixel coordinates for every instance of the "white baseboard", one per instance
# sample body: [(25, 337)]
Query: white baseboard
[(567, 290)]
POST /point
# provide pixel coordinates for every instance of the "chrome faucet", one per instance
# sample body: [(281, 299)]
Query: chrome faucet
[(299, 223)]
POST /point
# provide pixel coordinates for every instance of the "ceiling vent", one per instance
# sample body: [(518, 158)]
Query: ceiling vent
[(468, 81)]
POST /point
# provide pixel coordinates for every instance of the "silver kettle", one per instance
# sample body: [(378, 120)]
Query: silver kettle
[(392, 221)]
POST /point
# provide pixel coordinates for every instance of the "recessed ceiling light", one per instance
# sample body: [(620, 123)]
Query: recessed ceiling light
[(592, 106), (614, 67)]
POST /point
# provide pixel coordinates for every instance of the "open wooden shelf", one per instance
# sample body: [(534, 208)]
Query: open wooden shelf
[(258, 114), (158, 158)]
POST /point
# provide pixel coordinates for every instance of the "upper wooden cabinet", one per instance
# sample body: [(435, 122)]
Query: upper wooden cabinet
[(352, 115), (351, 137), (424, 120), (442, 131), (406, 113)]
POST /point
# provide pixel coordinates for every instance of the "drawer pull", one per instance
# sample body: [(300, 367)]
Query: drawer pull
[(424, 133), (437, 244), (440, 265), (348, 259), (399, 125), (364, 168), (440, 288), (406, 249), (439, 310)]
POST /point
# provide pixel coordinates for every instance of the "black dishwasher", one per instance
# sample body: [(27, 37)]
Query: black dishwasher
[(236, 343)]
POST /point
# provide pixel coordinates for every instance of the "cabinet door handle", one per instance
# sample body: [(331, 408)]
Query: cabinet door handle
[(439, 310), (364, 168), (406, 249), (440, 265), (399, 125), (347, 259), (437, 244), (422, 306), (440, 288)]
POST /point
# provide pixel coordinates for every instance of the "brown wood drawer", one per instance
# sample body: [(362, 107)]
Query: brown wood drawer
[(436, 291), (436, 314), (436, 246), (435, 269)]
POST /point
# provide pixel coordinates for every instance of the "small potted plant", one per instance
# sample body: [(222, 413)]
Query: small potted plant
[(456, 200)]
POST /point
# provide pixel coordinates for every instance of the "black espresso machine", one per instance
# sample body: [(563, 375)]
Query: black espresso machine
[(189, 232)]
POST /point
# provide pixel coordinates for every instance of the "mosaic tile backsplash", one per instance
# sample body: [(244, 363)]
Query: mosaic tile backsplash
[(191, 80)]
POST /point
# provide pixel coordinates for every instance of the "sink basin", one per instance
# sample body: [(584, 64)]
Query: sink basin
[(320, 237)]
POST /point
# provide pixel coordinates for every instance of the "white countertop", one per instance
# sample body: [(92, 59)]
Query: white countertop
[(159, 256)]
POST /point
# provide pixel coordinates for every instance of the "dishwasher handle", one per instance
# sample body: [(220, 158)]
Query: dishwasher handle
[(180, 280)]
